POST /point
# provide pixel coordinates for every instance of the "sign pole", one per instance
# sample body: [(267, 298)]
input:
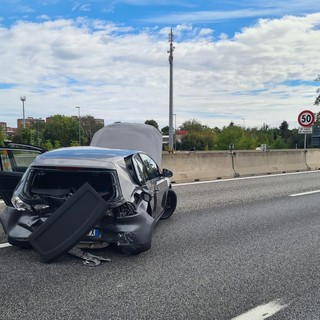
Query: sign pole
[(305, 141)]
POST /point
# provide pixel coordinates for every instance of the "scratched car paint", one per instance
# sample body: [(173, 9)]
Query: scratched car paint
[(132, 191)]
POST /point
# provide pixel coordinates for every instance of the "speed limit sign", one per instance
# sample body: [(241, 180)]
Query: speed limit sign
[(306, 118)]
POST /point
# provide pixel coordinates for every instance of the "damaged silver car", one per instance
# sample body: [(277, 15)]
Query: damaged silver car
[(87, 196)]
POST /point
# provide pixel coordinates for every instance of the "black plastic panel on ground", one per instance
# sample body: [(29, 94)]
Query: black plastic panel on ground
[(63, 230)]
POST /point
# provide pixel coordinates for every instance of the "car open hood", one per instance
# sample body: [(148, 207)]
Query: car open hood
[(134, 136)]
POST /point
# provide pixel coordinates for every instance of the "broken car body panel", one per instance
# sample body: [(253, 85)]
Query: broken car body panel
[(129, 181), (65, 227)]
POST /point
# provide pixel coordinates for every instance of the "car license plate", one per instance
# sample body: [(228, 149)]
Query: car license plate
[(94, 233)]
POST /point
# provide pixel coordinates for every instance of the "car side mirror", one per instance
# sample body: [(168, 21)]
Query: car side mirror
[(167, 173)]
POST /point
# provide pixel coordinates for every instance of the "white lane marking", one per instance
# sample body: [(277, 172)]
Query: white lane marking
[(304, 193), (5, 245), (262, 312), (243, 178)]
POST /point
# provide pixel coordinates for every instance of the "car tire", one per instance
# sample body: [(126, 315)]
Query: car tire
[(170, 205)]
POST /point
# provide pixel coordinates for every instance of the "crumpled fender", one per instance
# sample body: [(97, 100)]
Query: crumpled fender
[(12, 222)]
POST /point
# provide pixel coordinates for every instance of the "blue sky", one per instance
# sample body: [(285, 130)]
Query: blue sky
[(250, 62), (223, 16)]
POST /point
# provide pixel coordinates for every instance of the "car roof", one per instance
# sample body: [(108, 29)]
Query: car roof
[(82, 157)]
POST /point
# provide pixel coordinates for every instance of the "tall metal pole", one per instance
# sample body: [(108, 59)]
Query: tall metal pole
[(175, 131), (23, 99), (171, 91), (79, 124)]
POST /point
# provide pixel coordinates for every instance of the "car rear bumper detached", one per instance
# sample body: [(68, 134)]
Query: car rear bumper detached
[(131, 233)]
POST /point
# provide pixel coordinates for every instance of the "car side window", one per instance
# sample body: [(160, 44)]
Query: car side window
[(5, 161), (16, 160), (151, 167), (139, 169)]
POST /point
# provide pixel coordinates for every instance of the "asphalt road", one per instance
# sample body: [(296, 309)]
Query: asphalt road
[(232, 246)]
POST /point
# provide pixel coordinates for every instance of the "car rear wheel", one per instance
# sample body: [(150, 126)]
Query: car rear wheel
[(171, 205)]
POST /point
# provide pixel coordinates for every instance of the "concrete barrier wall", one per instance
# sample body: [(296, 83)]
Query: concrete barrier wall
[(191, 166), (313, 159), (195, 166)]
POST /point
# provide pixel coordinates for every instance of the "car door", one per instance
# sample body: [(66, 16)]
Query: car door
[(157, 183), (14, 161)]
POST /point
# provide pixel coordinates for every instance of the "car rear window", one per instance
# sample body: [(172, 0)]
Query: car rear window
[(60, 182)]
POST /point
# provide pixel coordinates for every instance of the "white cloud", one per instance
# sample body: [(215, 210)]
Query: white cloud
[(114, 73), (81, 7), (43, 17)]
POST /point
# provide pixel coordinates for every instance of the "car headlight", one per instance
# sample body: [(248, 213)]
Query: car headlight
[(19, 204)]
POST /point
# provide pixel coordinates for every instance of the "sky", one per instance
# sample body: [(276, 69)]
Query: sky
[(251, 62)]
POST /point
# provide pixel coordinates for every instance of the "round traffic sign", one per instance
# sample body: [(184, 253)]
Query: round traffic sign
[(306, 118)]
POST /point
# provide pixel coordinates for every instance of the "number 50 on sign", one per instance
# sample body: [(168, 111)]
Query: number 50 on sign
[(306, 118)]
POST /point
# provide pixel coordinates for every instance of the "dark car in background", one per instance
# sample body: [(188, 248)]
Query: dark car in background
[(90, 196)]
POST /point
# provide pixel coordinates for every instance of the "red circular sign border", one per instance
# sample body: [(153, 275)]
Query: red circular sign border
[(312, 115)]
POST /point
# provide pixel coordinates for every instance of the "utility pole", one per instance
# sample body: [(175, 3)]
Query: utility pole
[(171, 49)]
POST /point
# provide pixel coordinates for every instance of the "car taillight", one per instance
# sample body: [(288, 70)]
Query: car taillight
[(125, 210)]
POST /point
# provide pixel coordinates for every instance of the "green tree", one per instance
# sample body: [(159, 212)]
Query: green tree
[(89, 127), (165, 130), (198, 137), (317, 101), (38, 125), (297, 140), (264, 135), (1, 138), (47, 145), (279, 143), (284, 130), (62, 130), (25, 136), (195, 140), (193, 125), (241, 139), (152, 123)]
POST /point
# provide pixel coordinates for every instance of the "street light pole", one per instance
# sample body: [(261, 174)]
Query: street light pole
[(23, 99), (171, 91), (79, 124)]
